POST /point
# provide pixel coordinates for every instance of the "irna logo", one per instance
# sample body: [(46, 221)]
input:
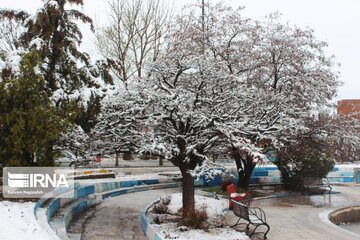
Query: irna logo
[(35, 182), (18, 180)]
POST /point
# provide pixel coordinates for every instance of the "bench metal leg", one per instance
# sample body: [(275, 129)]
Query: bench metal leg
[(265, 224), (266, 231), (236, 223), (253, 230), (247, 226)]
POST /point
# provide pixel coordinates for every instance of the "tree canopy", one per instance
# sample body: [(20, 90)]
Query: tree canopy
[(234, 81), (29, 123)]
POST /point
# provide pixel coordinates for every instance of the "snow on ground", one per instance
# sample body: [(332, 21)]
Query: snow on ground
[(17, 221), (214, 208)]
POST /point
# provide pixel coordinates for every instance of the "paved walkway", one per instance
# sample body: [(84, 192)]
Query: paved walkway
[(294, 218), (116, 218), (301, 217)]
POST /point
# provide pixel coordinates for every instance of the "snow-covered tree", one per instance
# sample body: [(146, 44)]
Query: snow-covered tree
[(75, 139), (285, 78), (177, 112), (11, 29), (179, 105), (338, 135), (70, 74), (232, 79), (327, 140), (280, 77), (119, 128), (10, 32), (185, 108)]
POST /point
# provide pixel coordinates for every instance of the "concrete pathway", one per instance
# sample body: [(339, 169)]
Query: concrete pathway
[(293, 218), (304, 217), (116, 218)]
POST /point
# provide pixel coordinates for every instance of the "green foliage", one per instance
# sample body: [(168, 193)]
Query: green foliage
[(54, 33), (306, 158), (60, 35), (87, 117), (29, 124)]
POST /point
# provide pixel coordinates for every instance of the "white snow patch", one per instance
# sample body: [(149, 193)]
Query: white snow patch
[(36, 43), (13, 60), (17, 221), (53, 3), (214, 208), (212, 234)]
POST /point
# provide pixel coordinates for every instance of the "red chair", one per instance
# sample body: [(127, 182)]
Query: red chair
[(233, 195)]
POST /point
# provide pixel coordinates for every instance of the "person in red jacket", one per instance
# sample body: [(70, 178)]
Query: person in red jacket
[(98, 159)]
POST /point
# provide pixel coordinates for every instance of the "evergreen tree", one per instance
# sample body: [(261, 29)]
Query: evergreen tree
[(305, 158), (29, 123), (68, 73)]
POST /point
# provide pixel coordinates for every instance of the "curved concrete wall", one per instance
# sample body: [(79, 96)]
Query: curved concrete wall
[(345, 215), (88, 196), (146, 227)]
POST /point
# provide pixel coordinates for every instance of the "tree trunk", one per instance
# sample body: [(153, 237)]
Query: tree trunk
[(161, 161), (188, 196), (245, 168), (245, 176), (214, 157), (116, 159)]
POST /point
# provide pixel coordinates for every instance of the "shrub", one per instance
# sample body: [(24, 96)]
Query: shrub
[(195, 219), (307, 158), (160, 208), (166, 200), (158, 220)]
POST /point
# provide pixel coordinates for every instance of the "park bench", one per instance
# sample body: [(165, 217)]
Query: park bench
[(316, 185), (253, 215)]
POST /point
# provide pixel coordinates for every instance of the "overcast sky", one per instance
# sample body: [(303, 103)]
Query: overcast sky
[(334, 21)]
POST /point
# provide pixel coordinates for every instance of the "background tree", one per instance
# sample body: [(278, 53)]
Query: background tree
[(69, 74), (340, 135), (288, 77), (217, 82), (280, 75), (119, 128), (29, 124), (326, 140), (301, 159), (134, 35), (10, 32)]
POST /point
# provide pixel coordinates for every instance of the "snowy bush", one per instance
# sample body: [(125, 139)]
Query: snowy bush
[(196, 219)]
